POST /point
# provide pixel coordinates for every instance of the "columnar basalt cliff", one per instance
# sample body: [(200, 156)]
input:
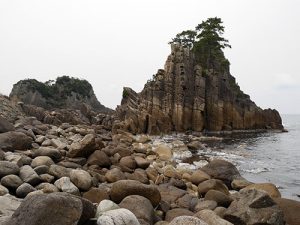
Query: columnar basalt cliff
[(184, 96)]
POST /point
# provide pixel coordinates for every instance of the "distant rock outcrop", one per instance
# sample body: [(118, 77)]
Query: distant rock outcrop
[(184, 96), (64, 93)]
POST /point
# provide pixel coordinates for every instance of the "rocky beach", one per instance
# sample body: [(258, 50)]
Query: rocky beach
[(66, 159)]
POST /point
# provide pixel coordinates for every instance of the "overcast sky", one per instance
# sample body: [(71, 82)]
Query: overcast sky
[(123, 43)]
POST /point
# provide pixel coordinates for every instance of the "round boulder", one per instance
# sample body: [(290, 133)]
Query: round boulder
[(118, 217), (11, 181), (24, 189), (81, 179), (7, 168)]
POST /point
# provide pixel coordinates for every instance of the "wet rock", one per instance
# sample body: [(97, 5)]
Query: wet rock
[(124, 188), (64, 184), (164, 152), (141, 207), (114, 175), (59, 171), (7, 168), (271, 189), (99, 158), (96, 195), (104, 206), (48, 209), (290, 210), (254, 207), (212, 184), (42, 161), (118, 217), (222, 170), (12, 140), (199, 176), (24, 189), (83, 148), (47, 151), (173, 213), (29, 176), (81, 179), (5, 125), (184, 220), (238, 184), (220, 198), (11, 181), (211, 218)]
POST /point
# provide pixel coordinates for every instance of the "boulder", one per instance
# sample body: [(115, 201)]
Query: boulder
[(141, 162), (211, 218), (47, 188), (184, 220), (238, 184), (8, 205), (59, 171), (114, 175), (5, 125), (24, 189), (271, 189), (47, 178), (222, 170), (170, 194), (206, 204), (47, 151), (99, 158), (291, 209), (118, 217), (96, 195), (81, 179), (41, 169), (3, 190), (124, 188), (7, 168), (49, 209), (164, 152), (219, 197), (254, 207), (141, 207), (2, 155), (128, 161), (29, 176), (42, 161), (64, 184), (83, 148), (139, 175), (199, 176), (11, 181), (212, 184), (12, 140), (104, 206), (194, 145), (173, 213)]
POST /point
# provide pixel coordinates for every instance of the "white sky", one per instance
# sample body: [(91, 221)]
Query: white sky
[(120, 43)]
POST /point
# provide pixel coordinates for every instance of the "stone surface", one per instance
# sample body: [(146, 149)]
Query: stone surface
[(42, 161), (81, 179), (184, 220), (185, 96), (114, 175), (199, 176), (254, 207), (207, 204), (11, 181), (59, 171), (238, 184), (47, 151), (173, 213), (64, 184), (99, 158), (271, 189), (7, 168), (83, 148), (290, 210), (96, 195), (220, 198), (47, 188), (48, 209), (118, 217), (222, 170), (164, 152), (24, 189), (3, 190), (124, 188), (29, 176), (141, 207), (13, 140), (211, 218), (128, 161), (104, 206), (141, 162), (212, 184), (5, 125), (8, 205)]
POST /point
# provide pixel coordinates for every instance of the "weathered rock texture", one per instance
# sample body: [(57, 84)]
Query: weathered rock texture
[(184, 97)]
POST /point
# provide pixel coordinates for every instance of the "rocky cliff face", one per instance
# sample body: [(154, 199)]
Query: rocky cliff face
[(184, 97), (64, 93)]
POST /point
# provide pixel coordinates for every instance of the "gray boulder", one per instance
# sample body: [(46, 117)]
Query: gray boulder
[(5, 125), (29, 176), (118, 217), (11, 181), (13, 140), (24, 189), (184, 220), (64, 184)]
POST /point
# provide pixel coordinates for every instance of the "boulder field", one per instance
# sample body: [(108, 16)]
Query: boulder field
[(87, 175)]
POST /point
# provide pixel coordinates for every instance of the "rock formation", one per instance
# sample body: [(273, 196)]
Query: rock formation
[(184, 96)]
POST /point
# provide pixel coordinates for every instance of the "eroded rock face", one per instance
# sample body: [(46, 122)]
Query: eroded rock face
[(184, 96)]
